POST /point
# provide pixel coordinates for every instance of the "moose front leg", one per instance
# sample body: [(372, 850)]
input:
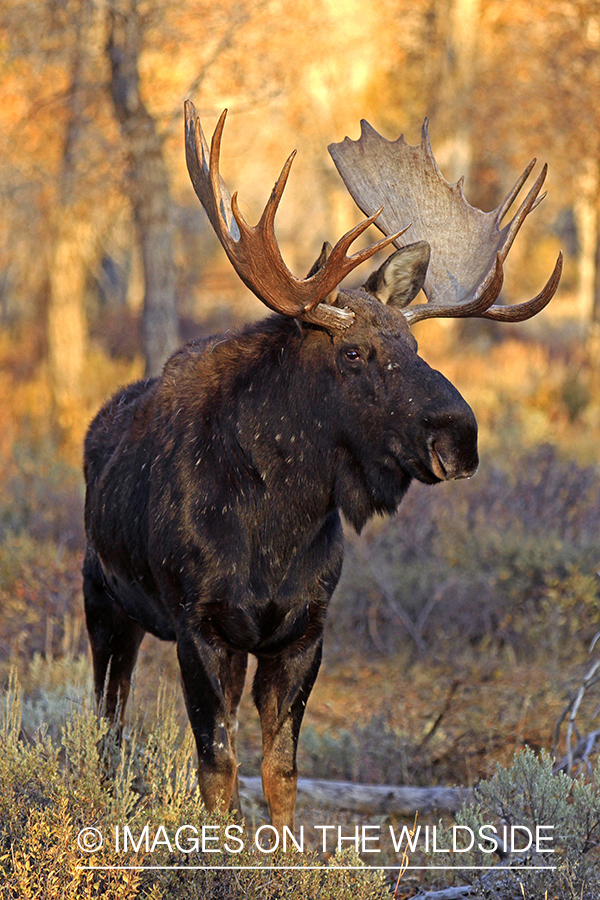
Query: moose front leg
[(213, 681), (282, 686)]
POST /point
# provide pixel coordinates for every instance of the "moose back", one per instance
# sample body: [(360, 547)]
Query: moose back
[(214, 492)]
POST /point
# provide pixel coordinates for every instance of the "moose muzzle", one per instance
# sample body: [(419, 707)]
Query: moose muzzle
[(452, 445)]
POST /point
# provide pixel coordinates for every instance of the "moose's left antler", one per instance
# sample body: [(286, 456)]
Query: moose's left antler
[(468, 247)]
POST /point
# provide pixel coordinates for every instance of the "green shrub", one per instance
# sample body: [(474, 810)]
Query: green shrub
[(531, 794), (55, 686)]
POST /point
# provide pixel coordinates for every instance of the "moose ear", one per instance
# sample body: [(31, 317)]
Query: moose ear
[(402, 275), (318, 264)]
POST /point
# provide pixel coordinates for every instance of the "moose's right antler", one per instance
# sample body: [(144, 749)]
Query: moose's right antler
[(254, 252), (468, 246)]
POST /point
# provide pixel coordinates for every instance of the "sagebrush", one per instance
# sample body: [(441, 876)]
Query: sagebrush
[(529, 794), (52, 788)]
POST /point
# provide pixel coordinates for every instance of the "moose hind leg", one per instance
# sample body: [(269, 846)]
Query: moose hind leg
[(282, 686), (115, 639)]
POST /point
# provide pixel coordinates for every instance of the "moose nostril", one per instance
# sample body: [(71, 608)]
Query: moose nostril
[(450, 458), (436, 460)]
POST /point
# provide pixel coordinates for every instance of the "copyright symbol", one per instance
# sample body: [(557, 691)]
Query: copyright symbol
[(90, 840)]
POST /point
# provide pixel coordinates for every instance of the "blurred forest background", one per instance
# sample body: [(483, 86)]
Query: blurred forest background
[(107, 262), (103, 245)]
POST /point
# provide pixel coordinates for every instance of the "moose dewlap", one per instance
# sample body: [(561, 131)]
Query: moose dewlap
[(214, 492)]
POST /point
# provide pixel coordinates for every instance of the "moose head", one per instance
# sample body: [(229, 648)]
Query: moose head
[(214, 492)]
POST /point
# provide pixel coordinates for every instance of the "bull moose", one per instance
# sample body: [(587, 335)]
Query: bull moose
[(214, 491)]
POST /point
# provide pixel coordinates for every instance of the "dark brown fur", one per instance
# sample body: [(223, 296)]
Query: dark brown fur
[(213, 513)]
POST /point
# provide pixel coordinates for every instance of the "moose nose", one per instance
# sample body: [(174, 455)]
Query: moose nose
[(453, 449)]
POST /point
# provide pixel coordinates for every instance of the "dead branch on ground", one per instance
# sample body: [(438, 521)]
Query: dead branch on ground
[(580, 752)]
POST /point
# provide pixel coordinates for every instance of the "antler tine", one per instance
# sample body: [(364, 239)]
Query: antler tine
[(519, 312), (343, 245), (215, 150), (530, 201), (267, 219), (512, 194), (254, 252), (203, 166)]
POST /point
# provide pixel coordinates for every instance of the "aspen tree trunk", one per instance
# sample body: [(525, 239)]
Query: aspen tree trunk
[(462, 51), (148, 186), (587, 219), (72, 247), (66, 323), (455, 153)]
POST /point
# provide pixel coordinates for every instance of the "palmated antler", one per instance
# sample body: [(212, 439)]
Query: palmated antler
[(254, 252), (468, 247)]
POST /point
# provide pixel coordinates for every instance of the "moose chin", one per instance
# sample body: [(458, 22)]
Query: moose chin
[(214, 492)]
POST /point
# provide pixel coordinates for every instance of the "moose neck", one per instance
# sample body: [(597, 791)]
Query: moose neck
[(282, 418), (258, 401)]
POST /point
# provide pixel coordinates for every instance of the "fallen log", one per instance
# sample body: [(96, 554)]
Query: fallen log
[(451, 893), (369, 799)]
